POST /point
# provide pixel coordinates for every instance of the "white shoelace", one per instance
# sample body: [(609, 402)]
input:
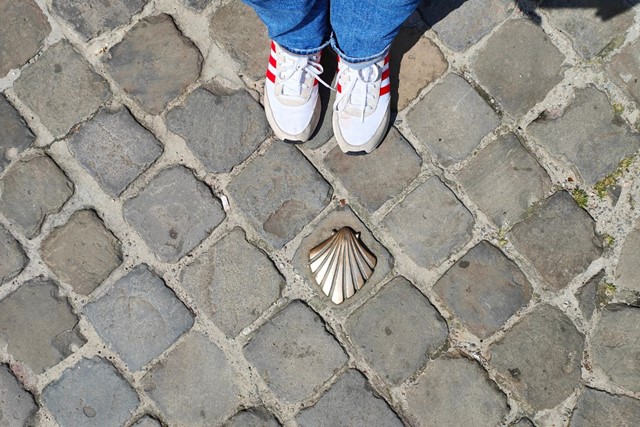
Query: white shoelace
[(294, 71), (357, 94)]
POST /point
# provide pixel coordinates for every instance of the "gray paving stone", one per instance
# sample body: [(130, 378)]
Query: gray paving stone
[(174, 213), (147, 421), (294, 353), (397, 330), (519, 65), (616, 345), (587, 135), (490, 176), (588, 293), (31, 190), (452, 119), (221, 130), (194, 385), (92, 393), (436, 398), (430, 223), (524, 422), (23, 28), (478, 16), (233, 283), (12, 257), (625, 70), (254, 417), (83, 252), (628, 269), (16, 405), (139, 317), (349, 401), (61, 88), (229, 27), (379, 176), (540, 356), (198, 5), (154, 63), (280, 192), (596, 408), (591, 27), (93, 17), (559, 239), (114, 149), (484, 289), (15, 135), (38, 341)]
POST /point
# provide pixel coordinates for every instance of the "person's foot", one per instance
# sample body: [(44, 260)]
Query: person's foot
[(291, 99), (362, 109)]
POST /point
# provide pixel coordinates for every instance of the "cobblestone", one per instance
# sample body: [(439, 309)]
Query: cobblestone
[(252, 417), (221, 130), (91, 393), (198, 5), (628, 269), (31, 190), (114, 149), (15, 136), (83, 252), (147, 422), (397, 330), (233, 282), (588, 293), (596, 408), (12, 257), (349, 402), (625, 70), (294, 354), (43, 341), (484, 289), (16, 405)]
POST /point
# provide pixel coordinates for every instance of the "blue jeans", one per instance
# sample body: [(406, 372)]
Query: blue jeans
[(360, 31)]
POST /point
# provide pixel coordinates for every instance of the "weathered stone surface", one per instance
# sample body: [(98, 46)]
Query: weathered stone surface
[(229, 27), (294, 353), (397, 330), (114, 149), (288, 194), (478, 16), (174, 213), (484, 289), (154, 63), (16, 404), (343, 217), (588, 135), (83, 252), (415, 62), (596, 408), (233, 282), (23, 28), (593, 26), (255, 417), (435, 399), (628, 269), (198, 5), (139, 317), (616, 345), (587, 294), (12, 257), (15, 135), (375, 178), (559, 239), (524, 422), (519, 65), (430, 223), (541, 357), (61, 88), (92, 393), (490, 176), (221, 130), (40, 341), (452, 119), (625, 70), (147, 421), (349, 402), (93, 17), (194, 385)]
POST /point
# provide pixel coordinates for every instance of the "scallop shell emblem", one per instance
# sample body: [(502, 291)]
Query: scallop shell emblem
[(341, 264)]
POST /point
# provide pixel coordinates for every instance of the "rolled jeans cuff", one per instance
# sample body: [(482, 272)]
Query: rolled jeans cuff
[(310, 51), (358, 63)]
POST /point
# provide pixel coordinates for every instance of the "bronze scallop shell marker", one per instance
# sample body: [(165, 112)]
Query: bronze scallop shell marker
[(341, 264)]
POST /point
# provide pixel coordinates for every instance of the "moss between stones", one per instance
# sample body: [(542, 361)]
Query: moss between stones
[(581, 197), (610, 180)]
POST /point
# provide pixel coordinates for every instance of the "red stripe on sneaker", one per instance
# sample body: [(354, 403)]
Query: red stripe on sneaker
[(386, 60), (270, 76), (273, 46), (273, 62), (339, 88), (315, 82), (385, 90), (385, 74)]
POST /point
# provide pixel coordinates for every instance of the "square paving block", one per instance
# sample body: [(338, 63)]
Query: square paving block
[(252, 417), (625, 70), (12, 257), (15, 136), (16, 404), (598, 408), (628, 269)]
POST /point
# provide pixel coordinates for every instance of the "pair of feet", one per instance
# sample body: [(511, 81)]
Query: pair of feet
[(361, 111)]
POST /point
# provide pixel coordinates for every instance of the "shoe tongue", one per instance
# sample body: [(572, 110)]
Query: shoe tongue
[(293, 85)]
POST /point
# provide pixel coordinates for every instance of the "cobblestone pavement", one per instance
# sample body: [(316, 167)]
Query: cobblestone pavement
[(153, 266)]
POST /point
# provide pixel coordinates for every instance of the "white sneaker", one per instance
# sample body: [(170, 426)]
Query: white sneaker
[(362, 109), (291, 100)]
